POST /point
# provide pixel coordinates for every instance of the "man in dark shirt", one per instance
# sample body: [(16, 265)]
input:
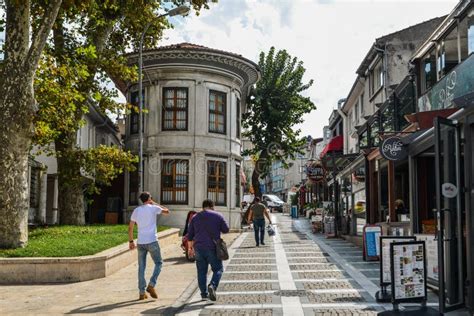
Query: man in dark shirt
[(257, 214), (204, 229)]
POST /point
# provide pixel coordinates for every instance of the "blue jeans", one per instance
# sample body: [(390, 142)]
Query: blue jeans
[(259, 229), (155, 252), (204, 258)]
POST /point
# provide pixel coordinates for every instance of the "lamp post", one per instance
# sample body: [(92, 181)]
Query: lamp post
[(181, 10)]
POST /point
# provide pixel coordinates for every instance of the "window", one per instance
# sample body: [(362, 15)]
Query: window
[(237, 123), (448, 53), (35, 183), (237, 186), (135, 115), (428, 71), (216, 182), (175, 109), (217, 109), (363, 140), (361, 102), (374, 134), (174, 181), (466, 30), (356, 113), (387, 117), (133, 179), (376, 79)]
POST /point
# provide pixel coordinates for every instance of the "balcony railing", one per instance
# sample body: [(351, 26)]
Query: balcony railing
[(457, 83)]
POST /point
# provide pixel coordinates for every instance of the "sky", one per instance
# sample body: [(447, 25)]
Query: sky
[(330, 37)]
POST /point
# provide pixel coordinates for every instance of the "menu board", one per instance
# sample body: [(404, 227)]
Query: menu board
[(385, 265), (371, 241), (432, 268), (409, 271)]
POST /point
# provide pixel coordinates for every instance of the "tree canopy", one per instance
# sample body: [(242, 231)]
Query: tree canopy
[(276, 105)]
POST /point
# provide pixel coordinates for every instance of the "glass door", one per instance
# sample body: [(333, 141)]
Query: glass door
[(449, 214)]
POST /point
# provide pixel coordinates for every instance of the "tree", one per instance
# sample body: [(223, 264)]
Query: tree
[(22, 51), (88, 45), (276, 105)]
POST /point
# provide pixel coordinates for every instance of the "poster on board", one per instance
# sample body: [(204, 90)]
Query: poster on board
[(385, 265), (408, 260), (432, 268), (371, 234)]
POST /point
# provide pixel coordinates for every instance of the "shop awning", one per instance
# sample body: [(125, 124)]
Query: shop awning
[(334, 145)]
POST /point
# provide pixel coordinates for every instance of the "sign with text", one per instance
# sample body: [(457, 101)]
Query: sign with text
[(385, 266), (316, 172), (432, 269), (408, 260), (371, 234), (392, 149)]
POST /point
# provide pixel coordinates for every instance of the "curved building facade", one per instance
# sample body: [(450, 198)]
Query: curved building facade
[(194, 97)]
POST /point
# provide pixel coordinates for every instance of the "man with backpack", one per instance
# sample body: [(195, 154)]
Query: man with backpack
[(204, 230)]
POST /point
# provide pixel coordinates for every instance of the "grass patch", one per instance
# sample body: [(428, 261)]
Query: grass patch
[(71, 241)]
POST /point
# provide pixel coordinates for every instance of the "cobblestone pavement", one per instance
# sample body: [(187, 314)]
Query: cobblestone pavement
[(291, 275)]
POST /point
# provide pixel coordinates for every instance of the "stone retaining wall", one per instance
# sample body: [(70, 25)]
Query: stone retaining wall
[(74, 269)]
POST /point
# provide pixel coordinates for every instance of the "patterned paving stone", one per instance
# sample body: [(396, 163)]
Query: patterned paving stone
[(252, 268), (303, 254), (253, 261), (323, 266), (334, 297), (244, 299), (252, 255), (251, 286), (321, 275), (241, 312), (249, 276), (345, 312), (307, 260), (327, 285)]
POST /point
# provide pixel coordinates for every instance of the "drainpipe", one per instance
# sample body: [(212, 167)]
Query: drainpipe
[(344, 125)]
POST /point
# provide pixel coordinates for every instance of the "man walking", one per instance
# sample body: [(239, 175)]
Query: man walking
[(145, 218), (206, 228), (257, 214)]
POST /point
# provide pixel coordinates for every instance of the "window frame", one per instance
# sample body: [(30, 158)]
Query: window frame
[(217, 93), (238, 131), (237, 185), (218, 164), (175, 109), (135, 116), (174, 187)]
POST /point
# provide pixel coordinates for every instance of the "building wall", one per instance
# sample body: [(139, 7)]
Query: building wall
[(196, 145)]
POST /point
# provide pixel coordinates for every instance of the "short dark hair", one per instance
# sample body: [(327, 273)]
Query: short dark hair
[(257, 199), (145, 196), (208, 204)]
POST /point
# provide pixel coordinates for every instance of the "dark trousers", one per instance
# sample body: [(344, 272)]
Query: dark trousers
[(259, 229), (204, 258)]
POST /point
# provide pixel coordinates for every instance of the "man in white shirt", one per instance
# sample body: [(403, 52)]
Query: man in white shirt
[(145, 218)]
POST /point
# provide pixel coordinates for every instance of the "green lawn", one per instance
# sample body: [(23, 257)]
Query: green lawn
[(71, 241)]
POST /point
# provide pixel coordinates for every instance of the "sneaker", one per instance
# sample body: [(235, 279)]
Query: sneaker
[(150, 289), (257, 245), (142, 297), (212, 292), (204, 298)]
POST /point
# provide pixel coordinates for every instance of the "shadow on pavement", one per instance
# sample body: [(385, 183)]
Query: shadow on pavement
[(93, 308), (177, 260), (169, 311)]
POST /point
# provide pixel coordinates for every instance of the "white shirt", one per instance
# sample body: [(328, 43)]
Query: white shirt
[(145, 217)]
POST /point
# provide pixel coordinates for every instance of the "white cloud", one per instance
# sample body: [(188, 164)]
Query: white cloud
[(330, 37)]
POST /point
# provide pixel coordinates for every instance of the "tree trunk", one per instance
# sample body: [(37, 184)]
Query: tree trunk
[(15, 133), (70, 181), (260, 167)]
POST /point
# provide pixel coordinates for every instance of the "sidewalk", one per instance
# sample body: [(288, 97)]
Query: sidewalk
[(113, 295), (291, 275)]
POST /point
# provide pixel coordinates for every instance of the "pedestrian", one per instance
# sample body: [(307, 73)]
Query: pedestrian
[(145, 218), (257, 214), (204, 230)]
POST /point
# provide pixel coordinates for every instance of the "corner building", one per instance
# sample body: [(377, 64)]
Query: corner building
[(194, 97)]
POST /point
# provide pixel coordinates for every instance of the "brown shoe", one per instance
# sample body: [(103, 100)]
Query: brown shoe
[(142, 297), (152, 291)]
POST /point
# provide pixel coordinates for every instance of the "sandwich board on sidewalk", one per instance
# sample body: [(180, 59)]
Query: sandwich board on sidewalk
[(383, 295), (370, 239)]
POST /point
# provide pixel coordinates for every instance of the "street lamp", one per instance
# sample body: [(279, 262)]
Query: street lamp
[(181, 10)]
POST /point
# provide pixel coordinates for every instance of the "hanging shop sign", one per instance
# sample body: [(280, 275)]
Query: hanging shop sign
[(392, 149), (371, 234), (316, 172), (408, 260)]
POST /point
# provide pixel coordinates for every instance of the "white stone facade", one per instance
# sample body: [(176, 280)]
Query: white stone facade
[(198, 75)]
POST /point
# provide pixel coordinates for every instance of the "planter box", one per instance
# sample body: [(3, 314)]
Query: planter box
[(74, 269)]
